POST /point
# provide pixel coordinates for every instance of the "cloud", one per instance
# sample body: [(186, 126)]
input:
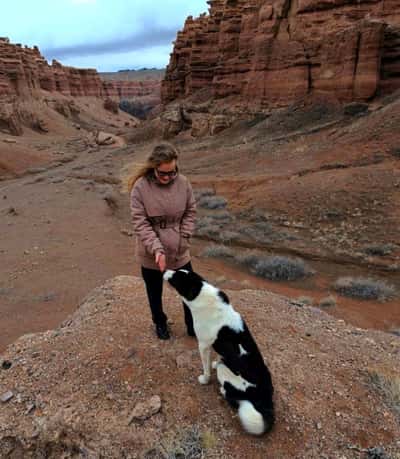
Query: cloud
[(138, 41), (150, 57)]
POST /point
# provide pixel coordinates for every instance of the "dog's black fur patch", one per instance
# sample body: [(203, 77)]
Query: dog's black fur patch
[(233, 342)]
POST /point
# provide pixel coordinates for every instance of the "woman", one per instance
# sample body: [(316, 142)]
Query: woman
[(163, 212)]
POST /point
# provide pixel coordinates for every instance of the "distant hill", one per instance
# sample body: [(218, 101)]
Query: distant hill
[(132, 75)]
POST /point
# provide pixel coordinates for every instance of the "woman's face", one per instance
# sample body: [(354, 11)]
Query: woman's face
[(166, 172)]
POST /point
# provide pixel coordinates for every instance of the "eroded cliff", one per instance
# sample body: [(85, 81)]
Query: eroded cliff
[(269, 54)]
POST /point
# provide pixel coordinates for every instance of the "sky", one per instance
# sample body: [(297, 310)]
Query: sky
[(108, 35)]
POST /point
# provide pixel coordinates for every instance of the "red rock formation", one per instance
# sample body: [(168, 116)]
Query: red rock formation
[(132, 89), (24, 72), (271, 53)]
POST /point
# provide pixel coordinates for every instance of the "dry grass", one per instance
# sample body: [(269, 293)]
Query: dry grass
[(328, 302), (387, 382), (212, 202), (306, 300), (379, 250), (364, 288), (277, 268), (188, 444), (218, 251)]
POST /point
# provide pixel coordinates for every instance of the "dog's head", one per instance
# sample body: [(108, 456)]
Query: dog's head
[(187, 283)]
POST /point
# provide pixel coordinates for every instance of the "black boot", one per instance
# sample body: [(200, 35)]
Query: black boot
[(162, 331)]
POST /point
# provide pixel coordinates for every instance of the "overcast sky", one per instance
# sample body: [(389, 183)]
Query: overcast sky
[(108, 35)]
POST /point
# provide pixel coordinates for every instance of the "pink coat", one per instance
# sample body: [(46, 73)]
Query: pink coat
[(163, 218)]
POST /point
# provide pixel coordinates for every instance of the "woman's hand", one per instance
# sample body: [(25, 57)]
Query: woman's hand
[(161, 261)]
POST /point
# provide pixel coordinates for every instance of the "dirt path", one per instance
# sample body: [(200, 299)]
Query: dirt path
[(65, 230)]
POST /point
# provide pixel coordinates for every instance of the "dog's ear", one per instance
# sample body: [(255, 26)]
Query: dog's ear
[(193, 288), (223, 296)]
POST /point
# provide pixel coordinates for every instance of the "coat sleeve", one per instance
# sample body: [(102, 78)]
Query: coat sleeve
[(141, 225), (189, 217)]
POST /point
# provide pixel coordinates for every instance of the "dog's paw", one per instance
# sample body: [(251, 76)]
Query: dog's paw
[(222, 391), (204, 379), (215, 364)]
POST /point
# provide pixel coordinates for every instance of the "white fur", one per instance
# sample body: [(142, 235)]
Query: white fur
[(242, 350), (251, 419), (168, 274), (210, 314), (224, 374)]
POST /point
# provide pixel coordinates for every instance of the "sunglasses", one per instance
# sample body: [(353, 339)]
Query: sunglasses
[(168, 174)]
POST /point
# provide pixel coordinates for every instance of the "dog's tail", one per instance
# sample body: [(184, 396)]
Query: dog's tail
[(253, 421)]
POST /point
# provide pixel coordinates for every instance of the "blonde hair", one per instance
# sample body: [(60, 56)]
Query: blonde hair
[(162, 153)]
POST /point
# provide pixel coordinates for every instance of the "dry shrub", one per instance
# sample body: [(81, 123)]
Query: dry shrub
[(206, 226), (218, 251), (212, 202), (277, 268), (306, 300), (212, 226), (223, 216), (259, 231), (388, 384), (379, 250), (281, 268), (191, 443), (228, 236), (248, 259), (327, 302), (202, 192), (364, 288)]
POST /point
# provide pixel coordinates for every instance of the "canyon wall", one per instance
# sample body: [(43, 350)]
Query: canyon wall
[(270, 53), (25, 72)]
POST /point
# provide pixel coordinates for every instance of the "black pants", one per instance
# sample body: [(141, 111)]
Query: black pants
[(153, 279)]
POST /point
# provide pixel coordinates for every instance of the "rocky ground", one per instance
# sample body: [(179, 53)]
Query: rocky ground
[(101, 385), (327, 188)]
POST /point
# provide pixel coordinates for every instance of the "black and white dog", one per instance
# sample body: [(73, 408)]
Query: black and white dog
[(244, 378)]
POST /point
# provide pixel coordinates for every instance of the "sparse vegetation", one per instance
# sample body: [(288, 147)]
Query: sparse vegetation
[(277, 268), (212, 226), (228, 236), (248, 259), (307, 300), (212, 202), (206, 226), (388, 383), (395, 152), (207, 199), (364, 288), (218, 251), (281, 268), (379, 249), (223, 216), (189, 444), (259, 231), (202, 192), (327, 302)]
